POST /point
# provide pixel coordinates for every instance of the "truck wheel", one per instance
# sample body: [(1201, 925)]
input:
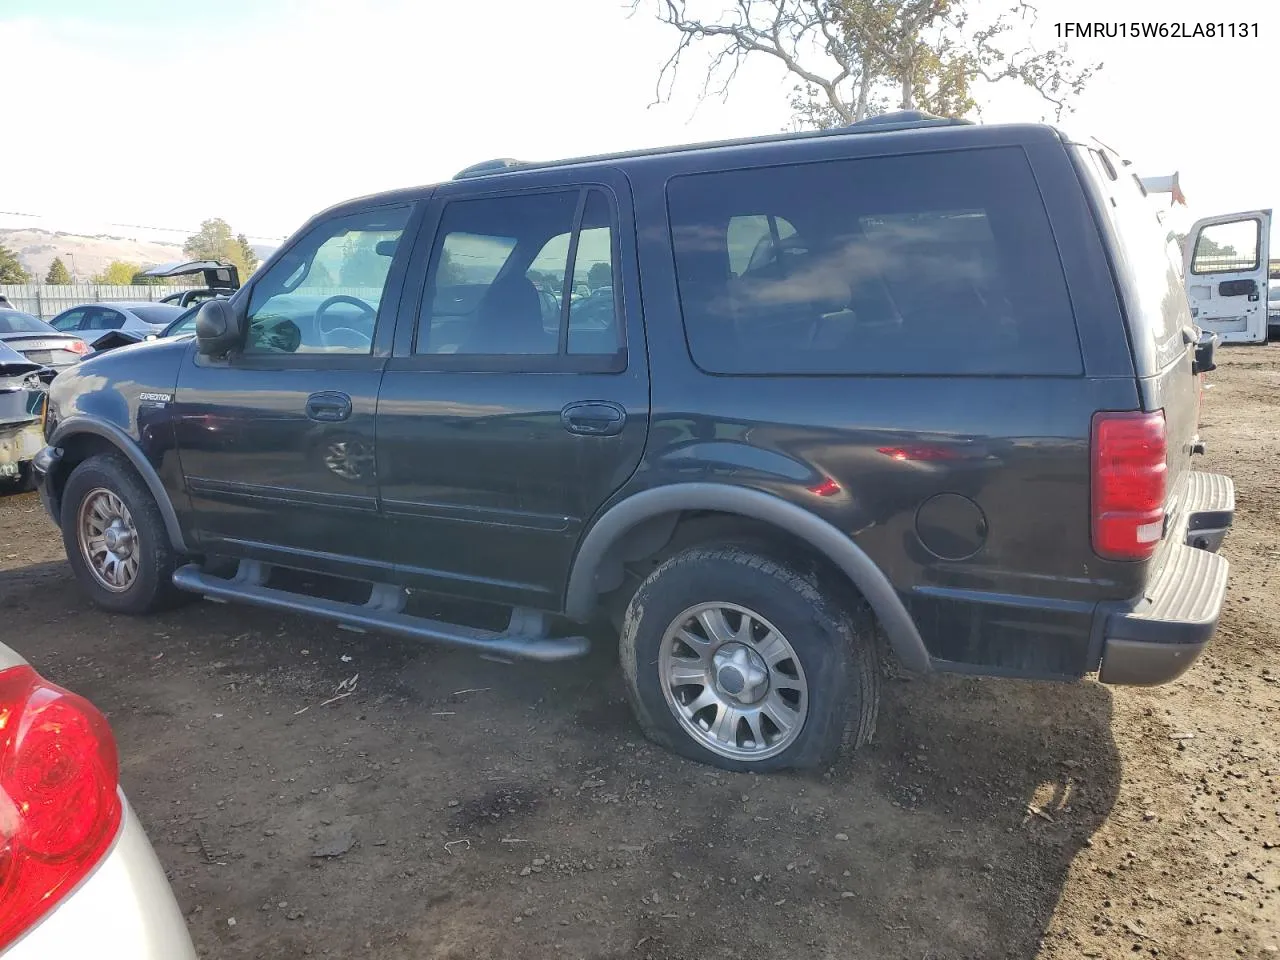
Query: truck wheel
[(738, 660), (115, 538)]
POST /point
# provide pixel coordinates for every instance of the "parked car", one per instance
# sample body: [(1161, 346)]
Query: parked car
[(951, 400), (80, 877), (39, 342), (105, 326), (22, 406), (220, 280)]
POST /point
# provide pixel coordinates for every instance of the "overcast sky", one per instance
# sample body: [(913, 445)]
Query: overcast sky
[(159, 113)]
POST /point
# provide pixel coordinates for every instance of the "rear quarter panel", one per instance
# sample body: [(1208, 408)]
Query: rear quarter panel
[(1016, 448)]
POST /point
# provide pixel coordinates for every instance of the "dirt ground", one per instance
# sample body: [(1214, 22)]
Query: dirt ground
[(456, 807)]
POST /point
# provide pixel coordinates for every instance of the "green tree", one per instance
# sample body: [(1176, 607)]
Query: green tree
[(58, 272), (600, 275), (855, 58), (319, 276), (215, 241), (362, 265), (11, 268), (117, 273), (448, 273), (248, 257)]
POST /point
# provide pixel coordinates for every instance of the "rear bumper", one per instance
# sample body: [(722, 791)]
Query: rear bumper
[(1158, 638), (19, 444), (125, 908)]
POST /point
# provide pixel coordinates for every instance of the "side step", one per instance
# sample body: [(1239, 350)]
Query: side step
[(525, 638)]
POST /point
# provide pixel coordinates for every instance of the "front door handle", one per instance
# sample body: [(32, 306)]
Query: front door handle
[(329, 407), (594, 418)]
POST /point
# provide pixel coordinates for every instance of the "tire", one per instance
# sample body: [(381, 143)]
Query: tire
[(831, 685), (150, 588)]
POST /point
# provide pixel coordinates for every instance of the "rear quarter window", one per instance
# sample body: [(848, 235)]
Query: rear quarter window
[(1150, 257), (940, 263)]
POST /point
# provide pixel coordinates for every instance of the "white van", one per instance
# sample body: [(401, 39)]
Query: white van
[(1224, 266)]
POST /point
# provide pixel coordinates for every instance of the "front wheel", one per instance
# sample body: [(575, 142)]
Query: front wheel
[(115, 538), (738, 660)]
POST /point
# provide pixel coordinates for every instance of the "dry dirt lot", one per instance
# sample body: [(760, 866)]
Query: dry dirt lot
[(455, 807)]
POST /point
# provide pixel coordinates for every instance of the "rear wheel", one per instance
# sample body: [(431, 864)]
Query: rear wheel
[(739, 660), (115, 538)]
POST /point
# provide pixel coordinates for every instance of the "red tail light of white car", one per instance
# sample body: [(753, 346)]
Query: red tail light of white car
[(77, 875)]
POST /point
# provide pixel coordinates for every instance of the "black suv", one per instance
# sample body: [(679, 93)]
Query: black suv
[(764, 403)]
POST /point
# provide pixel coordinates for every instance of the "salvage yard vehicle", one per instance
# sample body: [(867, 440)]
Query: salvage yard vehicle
[(116, 323), (220, 280), (39, 342), (79, 877), (22, 405), (1226, 263), (911, 379)]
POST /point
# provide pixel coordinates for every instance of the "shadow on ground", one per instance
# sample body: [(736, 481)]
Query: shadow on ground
[(455, 807)]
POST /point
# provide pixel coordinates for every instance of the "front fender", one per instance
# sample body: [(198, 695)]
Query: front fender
[(74, 427), (899, 627)]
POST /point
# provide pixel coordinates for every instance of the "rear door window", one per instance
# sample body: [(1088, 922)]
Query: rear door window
[(524, 276), (938, 263)]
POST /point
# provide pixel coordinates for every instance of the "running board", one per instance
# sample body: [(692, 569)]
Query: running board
[(524, 639)]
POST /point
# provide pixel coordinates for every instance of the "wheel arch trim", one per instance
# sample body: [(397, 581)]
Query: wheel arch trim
[(837, 547), (76, 426)]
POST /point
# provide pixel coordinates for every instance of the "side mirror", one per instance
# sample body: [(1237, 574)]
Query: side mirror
[(151, 336), (220, 328)]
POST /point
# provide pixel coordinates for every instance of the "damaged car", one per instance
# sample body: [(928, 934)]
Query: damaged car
[(23, 386)]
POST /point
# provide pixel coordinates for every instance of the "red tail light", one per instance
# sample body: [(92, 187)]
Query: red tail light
[(78, 346), (1129, 476), (59, 807)]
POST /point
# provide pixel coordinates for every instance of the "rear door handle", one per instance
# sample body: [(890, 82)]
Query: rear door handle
[(330, 407), (594, 418)]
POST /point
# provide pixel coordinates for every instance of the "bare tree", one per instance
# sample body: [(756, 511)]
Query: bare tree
[(854, 58)]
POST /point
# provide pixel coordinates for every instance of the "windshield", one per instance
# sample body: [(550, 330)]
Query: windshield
[(11, 321)]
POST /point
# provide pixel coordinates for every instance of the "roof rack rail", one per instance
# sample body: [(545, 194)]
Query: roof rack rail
[(904, 120), (489, 166), (898, 120)]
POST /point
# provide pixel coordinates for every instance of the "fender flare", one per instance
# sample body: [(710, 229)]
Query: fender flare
[(75, 426), (580, 597)]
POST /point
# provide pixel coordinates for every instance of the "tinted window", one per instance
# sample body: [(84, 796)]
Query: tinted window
[(929, 264), (186, 324), (527, 275), (70, 320), (102, 319), (157, 313), (13, 322), (323, 295)]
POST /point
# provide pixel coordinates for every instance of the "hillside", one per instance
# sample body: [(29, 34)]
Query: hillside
[(37, 248)]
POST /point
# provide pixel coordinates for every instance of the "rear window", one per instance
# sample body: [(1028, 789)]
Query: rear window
[(11, 321), (938, 263), (157, 313)]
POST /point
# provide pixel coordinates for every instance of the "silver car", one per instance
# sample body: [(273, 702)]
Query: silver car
[(78, 874), (106, 325)]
